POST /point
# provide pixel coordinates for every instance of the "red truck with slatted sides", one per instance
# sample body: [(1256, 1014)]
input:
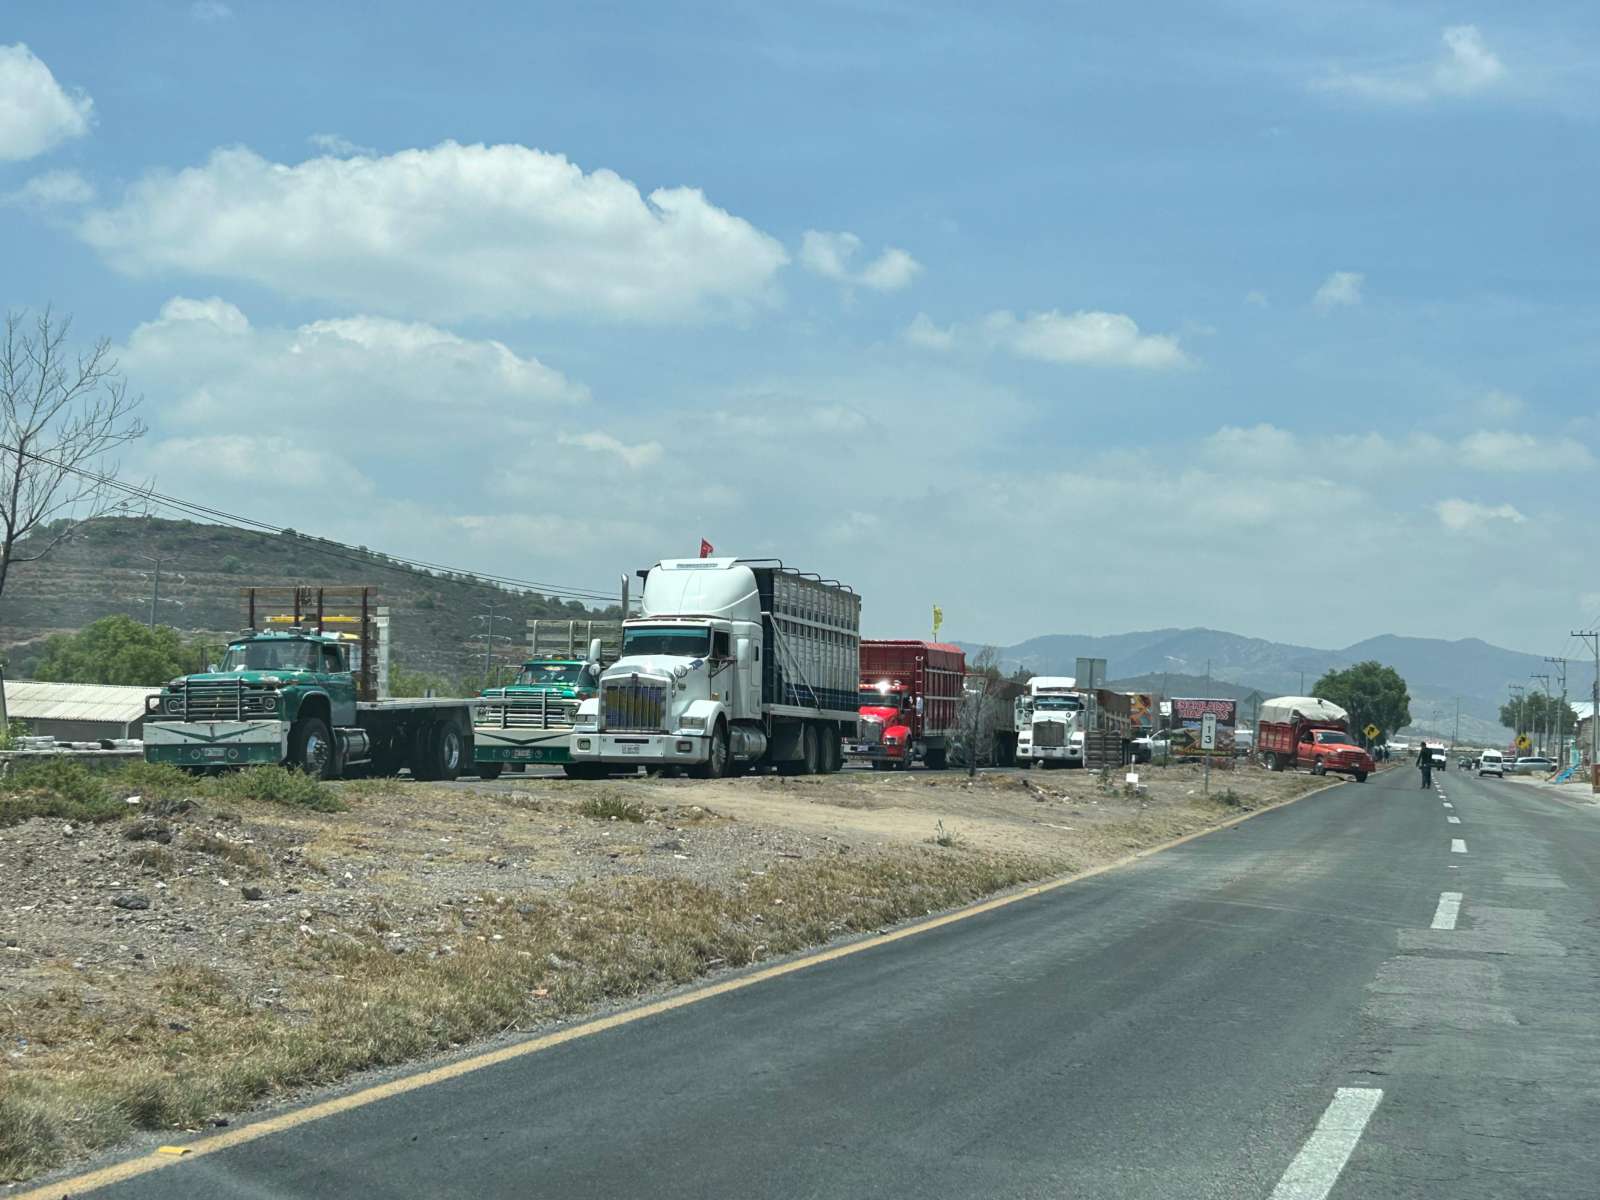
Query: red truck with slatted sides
[(910, 703), (1304, 731)]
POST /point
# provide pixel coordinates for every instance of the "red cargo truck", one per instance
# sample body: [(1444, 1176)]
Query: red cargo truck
[(910, 703), (1302, 731)]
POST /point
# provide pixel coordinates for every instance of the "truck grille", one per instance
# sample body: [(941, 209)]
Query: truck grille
[(527, 712), (1050, 733), (220, 701), (634, 706)]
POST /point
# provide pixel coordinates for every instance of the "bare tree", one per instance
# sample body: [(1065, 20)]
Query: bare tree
[(61, 413), (978, 705)]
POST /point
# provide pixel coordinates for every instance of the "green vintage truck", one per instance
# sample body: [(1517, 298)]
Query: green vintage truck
[(302, 686), (530, 720)]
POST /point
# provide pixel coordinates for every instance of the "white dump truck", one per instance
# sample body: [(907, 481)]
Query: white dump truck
[(732, 664), (1050, 722)]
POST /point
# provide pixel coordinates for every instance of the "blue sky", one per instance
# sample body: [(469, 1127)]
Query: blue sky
[(1278, 319)]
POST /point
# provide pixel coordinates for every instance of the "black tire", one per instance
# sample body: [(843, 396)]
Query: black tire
[(879, 764), (311, 748), (584, 770), (937, 760), (440, 751), (810, 751), (1318, 769), (490, 770), (1270, 761), (1361, 776), (720, 758), (830, 749)]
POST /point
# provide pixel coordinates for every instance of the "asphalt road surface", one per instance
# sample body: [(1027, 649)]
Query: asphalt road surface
[(1351, 996)]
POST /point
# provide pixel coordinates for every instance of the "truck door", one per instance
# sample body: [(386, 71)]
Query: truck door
[(1307, 750), (341, 685)]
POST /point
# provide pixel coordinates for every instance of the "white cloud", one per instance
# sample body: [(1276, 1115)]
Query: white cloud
[(275, 462), (1503, 450), (449, 232), (1467, 65), (1082, 339), (209, 12), (643, 454), (923, 332), (1256, 297), (52, 190), (36, 113), (390, 387), (1342, 289), (339, 146), (830, 255), (1467, 515)]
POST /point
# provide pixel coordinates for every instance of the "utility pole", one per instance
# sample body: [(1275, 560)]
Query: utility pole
[(1593, 638), (1561, 713), (488, 641), (1516, 706), (155, 585), (1456, 737), (1545, 722)]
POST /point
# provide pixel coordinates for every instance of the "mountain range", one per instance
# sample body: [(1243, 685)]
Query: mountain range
[(1437, 672)]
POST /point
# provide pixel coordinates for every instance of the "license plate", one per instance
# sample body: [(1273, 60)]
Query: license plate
[(215, 752), (860, 749), (629, 749), (522, 754)]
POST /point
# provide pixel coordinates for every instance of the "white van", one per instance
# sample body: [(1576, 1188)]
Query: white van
[(1491, 763)]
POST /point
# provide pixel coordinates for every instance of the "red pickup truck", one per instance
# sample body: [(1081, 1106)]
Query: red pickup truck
[(1302, 731)]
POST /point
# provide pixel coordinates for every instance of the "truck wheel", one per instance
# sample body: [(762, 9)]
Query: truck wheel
[(489, 770), (584, 770), (935, 760), (1318, 769), (879, 765), (440, 749), (1361, 776), (716, 764), (1269, 760), (311, 748)]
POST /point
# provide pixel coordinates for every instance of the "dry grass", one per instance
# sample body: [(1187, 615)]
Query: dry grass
[(204, 1049)]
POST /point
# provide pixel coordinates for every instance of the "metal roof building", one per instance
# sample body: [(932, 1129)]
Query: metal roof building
[(77, 711)]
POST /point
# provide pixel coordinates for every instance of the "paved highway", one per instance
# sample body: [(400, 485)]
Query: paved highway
[(1377, 992)]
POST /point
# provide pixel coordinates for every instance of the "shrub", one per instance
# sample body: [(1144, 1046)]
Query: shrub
[(611, 808), (56, 787), (276, 785)]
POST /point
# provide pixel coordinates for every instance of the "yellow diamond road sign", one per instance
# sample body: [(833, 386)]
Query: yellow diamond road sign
[(1522, 741), (1372, 731)]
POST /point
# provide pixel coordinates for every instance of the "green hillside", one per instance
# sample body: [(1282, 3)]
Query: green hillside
[(104, 570)]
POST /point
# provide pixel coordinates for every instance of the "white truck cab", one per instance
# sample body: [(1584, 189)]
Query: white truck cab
[(1052, 732)]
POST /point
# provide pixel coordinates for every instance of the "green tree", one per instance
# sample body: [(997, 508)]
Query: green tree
[(116, 650), (1537, 713), (1371, 693)]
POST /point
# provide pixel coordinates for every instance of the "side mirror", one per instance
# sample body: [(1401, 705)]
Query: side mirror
[(594, 651), (211, 668)]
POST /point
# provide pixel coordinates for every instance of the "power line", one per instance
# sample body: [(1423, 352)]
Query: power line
[(325, 545)]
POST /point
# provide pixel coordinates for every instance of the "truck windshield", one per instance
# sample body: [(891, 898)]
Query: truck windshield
[(873, 698), (565, 674), (1342, 739), (679, 640), (1057, 704), (270, 656)]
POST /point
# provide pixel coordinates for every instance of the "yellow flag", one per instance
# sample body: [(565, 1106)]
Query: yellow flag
[(938, 620)]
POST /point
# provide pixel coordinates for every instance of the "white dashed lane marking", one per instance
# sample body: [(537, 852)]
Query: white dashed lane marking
[(1457, 846), (1444, 917), (1316, 1168), (1453, 820)]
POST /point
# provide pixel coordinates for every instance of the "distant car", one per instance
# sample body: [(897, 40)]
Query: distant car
[(1441, 760), (1490, 762), (1533, 764)]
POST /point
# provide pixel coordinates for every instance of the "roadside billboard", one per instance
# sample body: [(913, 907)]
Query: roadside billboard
[(1188, 715)]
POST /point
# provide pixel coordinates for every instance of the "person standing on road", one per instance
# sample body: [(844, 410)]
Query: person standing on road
[(1425, 764)]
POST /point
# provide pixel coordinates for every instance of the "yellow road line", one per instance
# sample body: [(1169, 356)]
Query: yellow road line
[(132, 1168)]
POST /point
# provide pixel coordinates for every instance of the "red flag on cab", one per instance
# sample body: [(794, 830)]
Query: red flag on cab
[(706, 549)]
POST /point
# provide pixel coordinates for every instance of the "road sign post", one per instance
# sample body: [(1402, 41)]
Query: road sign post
[(1208, 743)]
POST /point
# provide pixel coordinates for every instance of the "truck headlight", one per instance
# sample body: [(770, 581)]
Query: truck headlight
[(174, 704), (584, 744), (693, 723)]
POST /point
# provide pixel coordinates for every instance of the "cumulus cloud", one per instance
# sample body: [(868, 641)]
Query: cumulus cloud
[(1498, 406), (1468, 515), (1504, 450), (1342, 289), (52, 190), (209, 12), (633, 457), (338, 145), (36, 112), (1081, 339), (1466, 65), (395, 386), (444, 233), (830, 255)]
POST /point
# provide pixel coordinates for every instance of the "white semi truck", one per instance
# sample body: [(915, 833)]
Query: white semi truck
[(1050, 723), (732, 664)]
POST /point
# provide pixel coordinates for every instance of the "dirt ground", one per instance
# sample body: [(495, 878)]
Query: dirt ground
[(98, 911)]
